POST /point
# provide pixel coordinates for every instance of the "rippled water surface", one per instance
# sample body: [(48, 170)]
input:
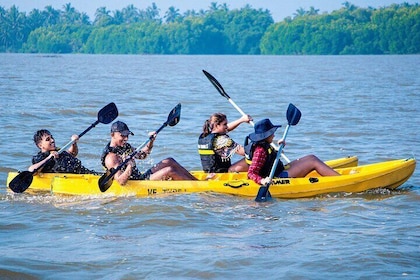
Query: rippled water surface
[(351, 105)]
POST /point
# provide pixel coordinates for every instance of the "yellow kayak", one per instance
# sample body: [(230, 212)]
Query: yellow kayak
[(343, 162), (43, 181), (388, 174)]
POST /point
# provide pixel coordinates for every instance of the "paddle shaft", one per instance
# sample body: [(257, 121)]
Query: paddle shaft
[(80, 135), (263, 193), (293, 116), (252, 123), (223, 93), (276, 162), (141, 146)]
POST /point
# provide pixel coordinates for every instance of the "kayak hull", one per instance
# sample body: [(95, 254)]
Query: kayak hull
[(388, 174), (43, 181)]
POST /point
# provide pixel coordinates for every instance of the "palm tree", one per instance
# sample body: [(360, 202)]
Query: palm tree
[(312, 11), (131, 14), (84, 18), (118, 17), (191, 13), (172, 14), (213, 6), (349, 6), (52, 16), (152, 13), (102, 17), (300, 12), (225, 7), (3, 30), (16, 28), (35, 19), (70, 15)]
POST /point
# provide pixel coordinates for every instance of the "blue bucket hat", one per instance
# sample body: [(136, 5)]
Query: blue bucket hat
[(262, 130)]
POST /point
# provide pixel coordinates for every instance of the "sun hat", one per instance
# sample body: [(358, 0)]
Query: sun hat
[(121, 127), (262, 130)]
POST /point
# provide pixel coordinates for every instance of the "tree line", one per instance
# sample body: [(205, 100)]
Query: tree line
[(218, 30)]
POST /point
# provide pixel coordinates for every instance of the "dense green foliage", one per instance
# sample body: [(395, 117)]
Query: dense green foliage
[(350, 30), (218, 30)]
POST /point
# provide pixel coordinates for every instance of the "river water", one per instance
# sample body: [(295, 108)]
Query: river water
[(351, 105)]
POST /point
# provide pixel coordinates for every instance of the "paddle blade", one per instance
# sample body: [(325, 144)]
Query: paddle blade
[(105, 181), (216, 84), (21, 182), (174, 116), (263, 194), (293, 115), (108, 113)]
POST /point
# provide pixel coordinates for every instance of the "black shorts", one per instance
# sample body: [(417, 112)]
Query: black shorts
[(146, 175)]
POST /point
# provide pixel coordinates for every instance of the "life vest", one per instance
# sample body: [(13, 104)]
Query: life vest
[(124, 151), (250, 146), (65, 163), (210, 161)]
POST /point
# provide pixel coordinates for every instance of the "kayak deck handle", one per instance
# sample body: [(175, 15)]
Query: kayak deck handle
[(236, 184)]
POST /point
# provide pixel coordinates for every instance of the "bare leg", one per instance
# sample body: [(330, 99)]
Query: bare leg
[(301, 167), (170, 168), (239, 166)]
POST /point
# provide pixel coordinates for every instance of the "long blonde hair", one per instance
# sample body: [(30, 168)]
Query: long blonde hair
[(215, 119)]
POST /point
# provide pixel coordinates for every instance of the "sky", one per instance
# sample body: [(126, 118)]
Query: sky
[(279, 8)]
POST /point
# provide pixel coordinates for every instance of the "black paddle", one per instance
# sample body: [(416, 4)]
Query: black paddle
[(293, 116), (106, 180), (24, 179), (223, 93)]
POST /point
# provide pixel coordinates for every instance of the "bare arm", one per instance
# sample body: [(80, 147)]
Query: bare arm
[(143, 153), (240, 150), (234, 124), (73, 149), (42, 162), (113, 161)]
